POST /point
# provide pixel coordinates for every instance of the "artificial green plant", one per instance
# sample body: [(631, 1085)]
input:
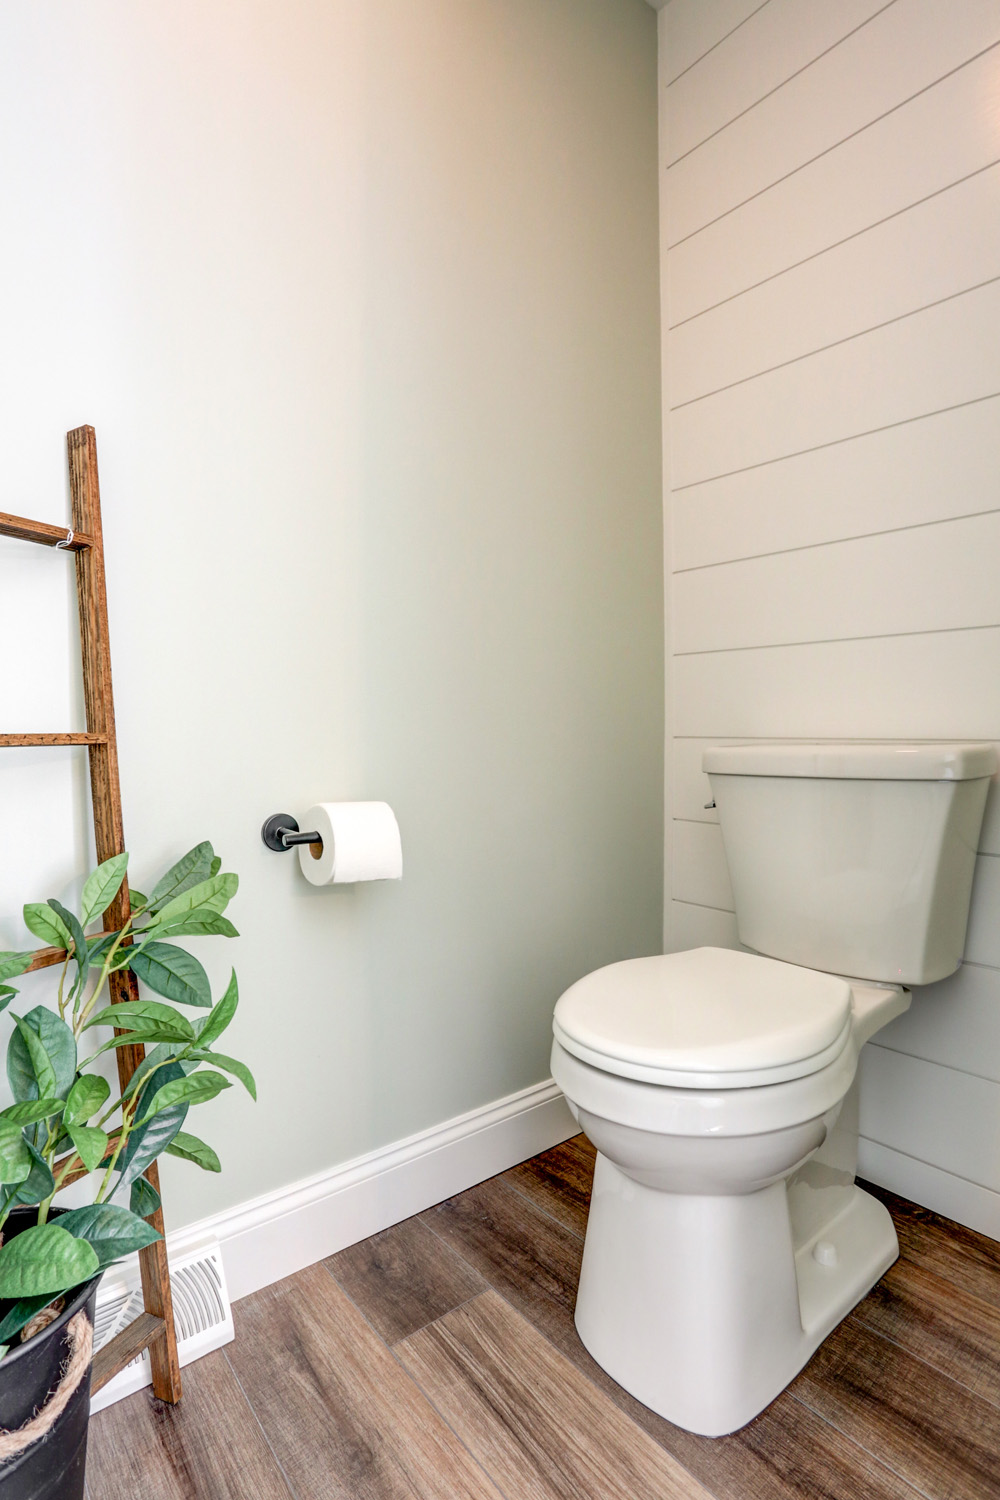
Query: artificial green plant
[(63, 1120)]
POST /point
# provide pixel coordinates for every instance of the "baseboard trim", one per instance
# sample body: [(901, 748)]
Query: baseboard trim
[(281, 1232), (955, 1197)]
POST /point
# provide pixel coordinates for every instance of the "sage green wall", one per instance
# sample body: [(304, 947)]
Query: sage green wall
[(362, 300)]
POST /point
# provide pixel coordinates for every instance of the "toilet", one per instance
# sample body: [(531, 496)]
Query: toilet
[(726, 1235)]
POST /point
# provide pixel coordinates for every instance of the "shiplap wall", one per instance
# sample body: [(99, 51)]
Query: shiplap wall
[(831, 233)]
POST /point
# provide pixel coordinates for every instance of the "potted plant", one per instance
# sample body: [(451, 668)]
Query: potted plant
[(65, 1122)]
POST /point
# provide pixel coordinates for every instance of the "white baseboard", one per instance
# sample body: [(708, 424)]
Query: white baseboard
[(955, 1197), (284, 1231)]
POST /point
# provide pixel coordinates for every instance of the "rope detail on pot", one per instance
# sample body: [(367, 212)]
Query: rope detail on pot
[(81, 1348)]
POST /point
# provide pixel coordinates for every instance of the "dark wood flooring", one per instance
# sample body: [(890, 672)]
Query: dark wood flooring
[(438, 1361)]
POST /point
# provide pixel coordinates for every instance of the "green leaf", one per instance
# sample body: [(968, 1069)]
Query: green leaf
[(144, 1199), (202, 922), (98, 946), (136, 899), (141, 1035), (172, 972), (190, 1148), (60, 1046), (213, 894), (228, 1065), (154, 1057), (40, 1068), (80, 949), (89, 1142), (145, 1013), (12, 964), (37, 1185), (46, 1259), (79, 944), (196, 1088), (101, 888), (111, 1231), (88, 1094), (15, 1159), (31, 1111), (22, 1312), (215, 866), (190, 870), (145, 1142), (149, 1141), (216, 1023), (7, 993), (47, 924)]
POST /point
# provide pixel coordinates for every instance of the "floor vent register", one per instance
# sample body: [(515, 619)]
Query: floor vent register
[(202, 1314)]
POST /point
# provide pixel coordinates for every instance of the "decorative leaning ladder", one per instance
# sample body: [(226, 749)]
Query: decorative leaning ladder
[(154, 1328)]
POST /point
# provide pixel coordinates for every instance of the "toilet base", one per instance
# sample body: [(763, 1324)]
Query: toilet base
[(702, 1308)]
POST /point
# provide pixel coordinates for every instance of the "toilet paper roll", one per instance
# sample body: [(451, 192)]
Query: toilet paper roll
[(360, 842)]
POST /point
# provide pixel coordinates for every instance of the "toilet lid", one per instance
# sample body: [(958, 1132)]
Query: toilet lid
[(706, 1018)]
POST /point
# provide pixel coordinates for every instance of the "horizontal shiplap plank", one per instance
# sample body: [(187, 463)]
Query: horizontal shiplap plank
[(941, 136), (921, 1182), (694, 27), (898, 267), (776, 42), (938, 358), (901, 51), (940, 467), (943, 686), (689, 926), (700, 872), (955, 1022), (691, 790), (982, 943), (934, 1113), (939, 577)]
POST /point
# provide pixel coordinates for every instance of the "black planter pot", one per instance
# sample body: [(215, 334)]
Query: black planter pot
[(52, 1468)]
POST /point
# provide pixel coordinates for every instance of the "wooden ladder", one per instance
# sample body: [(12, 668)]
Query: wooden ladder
[(153, 1329)]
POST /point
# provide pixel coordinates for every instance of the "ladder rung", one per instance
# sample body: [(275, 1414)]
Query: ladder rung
[(53, 739), (123, 1348), (43, 533), (46, 957)]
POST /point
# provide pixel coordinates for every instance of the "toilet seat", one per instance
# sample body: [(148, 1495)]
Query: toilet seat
[(708, 1018)]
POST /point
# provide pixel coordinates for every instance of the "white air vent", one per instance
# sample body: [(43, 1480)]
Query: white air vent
[(202, 1314)]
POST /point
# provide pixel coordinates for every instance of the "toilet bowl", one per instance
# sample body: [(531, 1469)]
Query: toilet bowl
[(726, 1236), (700, 1291)]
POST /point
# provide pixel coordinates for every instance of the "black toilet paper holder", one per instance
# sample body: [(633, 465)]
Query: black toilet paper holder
[(281, 831)]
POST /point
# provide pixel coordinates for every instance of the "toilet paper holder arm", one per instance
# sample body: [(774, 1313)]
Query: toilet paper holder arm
[(281, 831)]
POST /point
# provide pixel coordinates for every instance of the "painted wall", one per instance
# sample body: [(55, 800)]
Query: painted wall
[(831, 265), (363, 303)]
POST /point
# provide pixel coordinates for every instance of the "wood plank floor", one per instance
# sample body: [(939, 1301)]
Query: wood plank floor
[(439, 1361)]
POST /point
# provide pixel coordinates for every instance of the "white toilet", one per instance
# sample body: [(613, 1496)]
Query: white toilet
[(726, 1235)]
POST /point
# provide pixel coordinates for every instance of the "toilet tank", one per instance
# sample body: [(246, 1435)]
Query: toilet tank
[(855, 859)]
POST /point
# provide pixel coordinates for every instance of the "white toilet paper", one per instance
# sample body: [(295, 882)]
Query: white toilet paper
[(360, 842)]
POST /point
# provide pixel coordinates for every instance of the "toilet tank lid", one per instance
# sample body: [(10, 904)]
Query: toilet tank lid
[(889, 761)]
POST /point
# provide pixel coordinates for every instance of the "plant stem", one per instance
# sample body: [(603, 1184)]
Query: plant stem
[(120, 1103), (80, 1020), (62, 981), (127, 1117)]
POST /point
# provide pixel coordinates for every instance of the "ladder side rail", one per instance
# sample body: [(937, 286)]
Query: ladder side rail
[(110, 840)]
